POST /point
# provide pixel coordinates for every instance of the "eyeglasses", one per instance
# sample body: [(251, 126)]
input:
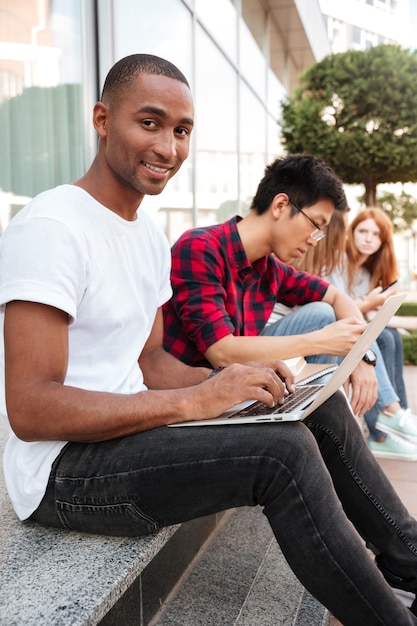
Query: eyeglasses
[(316, 234)]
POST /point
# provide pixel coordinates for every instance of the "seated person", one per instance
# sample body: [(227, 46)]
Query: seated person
[(360, 260), (368, 266), (227, 278), (89, 392)]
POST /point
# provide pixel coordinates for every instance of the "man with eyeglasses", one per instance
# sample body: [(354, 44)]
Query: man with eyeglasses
[(227, 278)]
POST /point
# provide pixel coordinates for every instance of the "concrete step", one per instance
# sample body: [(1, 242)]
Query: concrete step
[(241, 578)]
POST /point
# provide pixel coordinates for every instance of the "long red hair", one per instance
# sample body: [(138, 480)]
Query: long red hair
[(382, 265)]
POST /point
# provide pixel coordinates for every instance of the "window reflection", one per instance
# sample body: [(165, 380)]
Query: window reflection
[(46, 96), (253, 63), (41, 116), (216, 131), (219, 18), (252, 142), (163, 28)]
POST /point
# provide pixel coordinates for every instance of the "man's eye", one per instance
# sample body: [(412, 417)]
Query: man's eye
[(182, 131)]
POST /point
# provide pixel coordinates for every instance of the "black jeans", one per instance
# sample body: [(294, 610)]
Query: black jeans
[(320, 488)]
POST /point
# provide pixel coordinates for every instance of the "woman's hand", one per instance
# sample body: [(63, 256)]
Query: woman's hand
[(370, 303)]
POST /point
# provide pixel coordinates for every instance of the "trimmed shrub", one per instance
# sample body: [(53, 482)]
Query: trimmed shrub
[(407, 308), (410, 348)]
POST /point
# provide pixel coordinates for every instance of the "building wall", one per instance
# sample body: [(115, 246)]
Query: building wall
[(241, 58), (360, 24)]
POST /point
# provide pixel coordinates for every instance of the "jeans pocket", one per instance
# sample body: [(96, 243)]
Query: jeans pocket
[(123, 519)]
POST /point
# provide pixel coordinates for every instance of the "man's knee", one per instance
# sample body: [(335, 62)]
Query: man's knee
[(307, 318), (335, 417), (284, 442)]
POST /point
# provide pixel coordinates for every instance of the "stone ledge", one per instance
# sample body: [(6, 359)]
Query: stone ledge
[(54, 577)]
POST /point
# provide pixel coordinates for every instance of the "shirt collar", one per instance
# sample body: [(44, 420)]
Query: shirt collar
[(242, 262)]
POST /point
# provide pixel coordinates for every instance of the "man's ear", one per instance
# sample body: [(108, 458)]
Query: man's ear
[(279, 204), (100, 118)]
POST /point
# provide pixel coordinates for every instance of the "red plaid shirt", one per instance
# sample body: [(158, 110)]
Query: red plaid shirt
[(218, 292)]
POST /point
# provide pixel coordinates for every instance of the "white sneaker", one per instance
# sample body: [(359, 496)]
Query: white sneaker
[(394, 447), (403, 423)]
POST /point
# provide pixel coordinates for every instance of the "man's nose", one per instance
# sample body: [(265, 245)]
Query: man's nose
[(166, 145)]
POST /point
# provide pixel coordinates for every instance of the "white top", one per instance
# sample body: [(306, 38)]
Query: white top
[(361, 283), (110, 275)]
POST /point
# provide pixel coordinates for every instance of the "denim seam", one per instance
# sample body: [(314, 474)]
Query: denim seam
[(341, 570), (363, 487), (126, 500)]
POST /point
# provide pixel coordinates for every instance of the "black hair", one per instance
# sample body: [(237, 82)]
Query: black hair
[(304, 178), (125, 71)]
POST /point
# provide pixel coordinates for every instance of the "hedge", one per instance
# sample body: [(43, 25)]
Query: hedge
[(410, 347), (407, 308)]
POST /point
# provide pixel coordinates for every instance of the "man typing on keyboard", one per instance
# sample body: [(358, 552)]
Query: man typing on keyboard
[(227, 278)]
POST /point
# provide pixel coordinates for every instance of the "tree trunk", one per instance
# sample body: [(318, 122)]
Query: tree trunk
[(370, 191)]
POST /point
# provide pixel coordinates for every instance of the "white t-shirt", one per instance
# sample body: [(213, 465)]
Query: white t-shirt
[(110, 275)]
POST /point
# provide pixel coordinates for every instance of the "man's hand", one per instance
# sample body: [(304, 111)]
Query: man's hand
[(339, 337), (362, 387), (237, 383), (280, 368), (234, 384)]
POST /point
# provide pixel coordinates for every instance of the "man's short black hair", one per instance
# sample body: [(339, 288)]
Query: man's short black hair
[(125, 71), (304, 178)]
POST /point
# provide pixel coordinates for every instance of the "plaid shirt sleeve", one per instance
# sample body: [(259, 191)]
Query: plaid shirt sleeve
[(196, 316), (296, 288), (212, 298)]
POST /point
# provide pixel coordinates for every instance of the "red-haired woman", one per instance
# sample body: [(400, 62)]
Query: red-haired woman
[(366, 269)]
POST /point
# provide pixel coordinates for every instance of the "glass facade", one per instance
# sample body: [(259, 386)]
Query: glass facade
[(55, 53), (42, 122)]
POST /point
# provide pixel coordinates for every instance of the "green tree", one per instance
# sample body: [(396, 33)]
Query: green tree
[(402, 209), (357, 111)]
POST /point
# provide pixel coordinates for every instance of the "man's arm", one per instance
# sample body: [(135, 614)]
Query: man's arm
[(362, 386), (160, 369), (334, 339), (41, 407), (343, 305)]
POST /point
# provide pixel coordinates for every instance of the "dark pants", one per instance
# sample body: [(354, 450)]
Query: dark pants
[(310, 478)]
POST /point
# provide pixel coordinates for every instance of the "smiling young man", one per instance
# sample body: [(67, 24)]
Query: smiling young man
[(227, 278), (89, 391)]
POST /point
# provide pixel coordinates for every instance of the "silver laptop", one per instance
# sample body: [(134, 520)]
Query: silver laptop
[(306, 398)]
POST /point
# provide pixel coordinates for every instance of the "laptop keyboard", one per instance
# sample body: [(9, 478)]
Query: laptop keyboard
[(293, 400)]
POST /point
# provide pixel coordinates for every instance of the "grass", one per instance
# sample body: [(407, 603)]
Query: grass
[(407, 309)]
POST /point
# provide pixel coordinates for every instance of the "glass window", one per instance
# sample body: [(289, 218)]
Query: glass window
[(252, 61), (41, 99), (356, 35), (163, 28), (216, 132), (276, 92), (274, 145), (219, 19), (252, 142)]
